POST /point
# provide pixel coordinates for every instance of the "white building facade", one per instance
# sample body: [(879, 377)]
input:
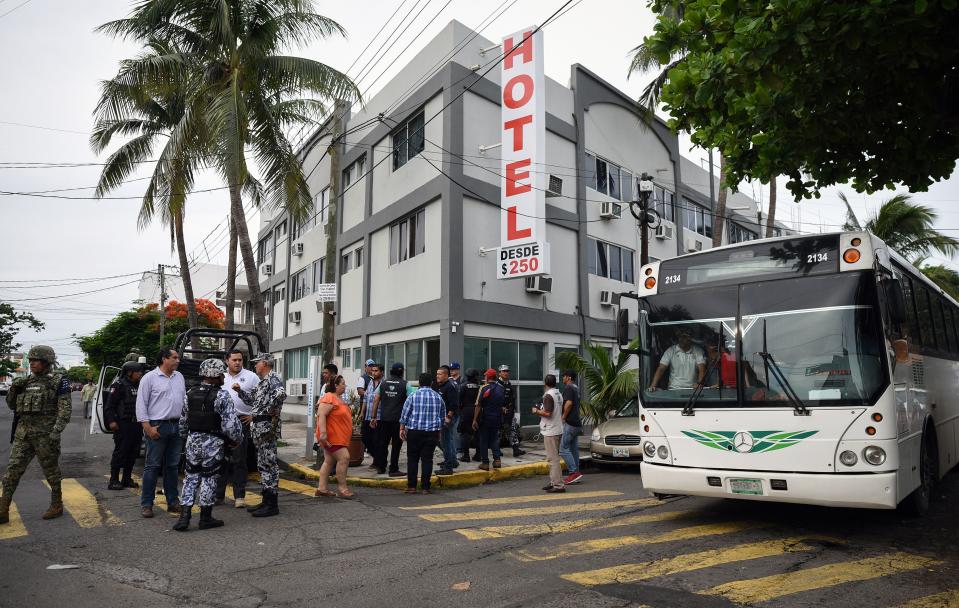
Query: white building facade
[(209, 283), (420, 212)]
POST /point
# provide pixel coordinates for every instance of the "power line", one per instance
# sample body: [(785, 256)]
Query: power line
[(79, 293), (116, 276), (26, 126), (15, 8)]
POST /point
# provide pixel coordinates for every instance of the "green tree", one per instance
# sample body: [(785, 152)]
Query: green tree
[(947, 278), (11, 323), (80, 373), (245, 90), (823, 92), (905, 226), (607, 383)]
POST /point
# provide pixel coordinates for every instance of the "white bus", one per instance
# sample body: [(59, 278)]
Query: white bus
[(815, 369)]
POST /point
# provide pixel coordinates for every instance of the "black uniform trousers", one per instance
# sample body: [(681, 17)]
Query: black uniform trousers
[(126, 446), (420, 446), (387, 438), (234, 469)]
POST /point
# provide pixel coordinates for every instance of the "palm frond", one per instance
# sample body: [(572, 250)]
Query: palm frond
[(123, 162), (301, 75)]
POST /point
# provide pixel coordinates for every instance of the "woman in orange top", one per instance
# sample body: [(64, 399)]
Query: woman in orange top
[(334, 427)]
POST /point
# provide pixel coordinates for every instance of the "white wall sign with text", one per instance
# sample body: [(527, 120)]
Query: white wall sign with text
[(326, 292), (522, 260)]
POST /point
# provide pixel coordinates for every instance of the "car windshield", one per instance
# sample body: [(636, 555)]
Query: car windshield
[(749, 345), (630, 410)]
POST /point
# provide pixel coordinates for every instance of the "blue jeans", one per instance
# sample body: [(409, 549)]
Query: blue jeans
[(489, 438), (448, 442), (163, 452), (569, 448)]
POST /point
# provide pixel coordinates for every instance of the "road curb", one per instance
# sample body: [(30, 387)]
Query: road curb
[(464, 479)]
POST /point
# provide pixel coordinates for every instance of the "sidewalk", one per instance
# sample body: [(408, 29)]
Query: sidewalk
[(468, 474)]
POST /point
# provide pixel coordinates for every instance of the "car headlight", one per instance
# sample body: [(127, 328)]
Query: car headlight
[(596, 435), (663, 452), (848, 458), (649, 449), (874, 455)]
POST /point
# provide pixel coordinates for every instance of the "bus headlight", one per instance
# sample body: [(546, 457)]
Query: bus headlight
[(874, 455), (848, 458), (595, 436), (663, 452), (649, 449)]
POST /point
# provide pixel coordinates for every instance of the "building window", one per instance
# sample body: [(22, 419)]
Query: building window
[(318, 273), (408, 140), (610, 261), (663, 203), (346, 263), (697, 218), (357, 359), (527, 363), (345, 358), (738, 234), (358, 257), (279, 235), (353, 172), (279, 294), (264, 250), (408, 237), (300, 285), (608, 178)]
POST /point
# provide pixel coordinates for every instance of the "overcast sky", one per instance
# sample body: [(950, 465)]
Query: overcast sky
[(53, 62)]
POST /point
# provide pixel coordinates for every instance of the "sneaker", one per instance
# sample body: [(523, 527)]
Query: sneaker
[(555, 490), (381, 471), (445, 472), (548, 487), (397, 474), (572, 478), (239, 503), (115, 485), (129, 483)]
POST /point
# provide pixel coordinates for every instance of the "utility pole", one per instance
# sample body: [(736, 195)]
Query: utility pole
[(332, 261), (162, 301), (645, 216)]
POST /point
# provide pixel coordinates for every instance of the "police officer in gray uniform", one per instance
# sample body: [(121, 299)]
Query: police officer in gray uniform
[(208, 421)]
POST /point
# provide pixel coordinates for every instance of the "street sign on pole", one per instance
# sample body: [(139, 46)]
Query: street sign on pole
[(326, 292)]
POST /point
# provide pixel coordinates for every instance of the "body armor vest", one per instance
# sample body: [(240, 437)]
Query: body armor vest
[(127, 407), (39, 396), (392, 398), (201, 417)]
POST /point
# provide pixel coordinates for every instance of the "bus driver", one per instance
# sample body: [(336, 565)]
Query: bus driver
[(686, 364)]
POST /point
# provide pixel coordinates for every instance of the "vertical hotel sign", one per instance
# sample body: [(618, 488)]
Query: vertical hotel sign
[(523, 248)]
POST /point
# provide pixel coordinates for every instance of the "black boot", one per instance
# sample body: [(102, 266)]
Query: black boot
[(517, 452), (256, 507), (183, 524), (206, 519), (269, 507), (114, 480)]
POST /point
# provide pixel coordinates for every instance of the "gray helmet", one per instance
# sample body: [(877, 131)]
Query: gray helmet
[(43, 353), (131, 366), (212, 368)]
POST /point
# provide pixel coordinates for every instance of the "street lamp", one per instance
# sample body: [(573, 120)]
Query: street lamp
[(646, 216)]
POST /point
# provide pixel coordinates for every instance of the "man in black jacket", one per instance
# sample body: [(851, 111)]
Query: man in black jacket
[(120, 416), (449, 391), (510, 426), (385, 418)]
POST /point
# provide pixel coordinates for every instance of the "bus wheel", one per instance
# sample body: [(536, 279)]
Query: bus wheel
[(917, 503)]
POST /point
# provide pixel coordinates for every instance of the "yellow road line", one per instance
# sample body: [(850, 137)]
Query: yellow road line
[(83, 506), (544, 510), (631, 573), (946, 599), (599, 545), (13, 528), (775, 586), (567, 526), (508, 500), (296, 487)]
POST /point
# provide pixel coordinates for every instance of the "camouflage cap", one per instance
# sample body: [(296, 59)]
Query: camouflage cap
[(212, 368), (43, 353), (264, 357)]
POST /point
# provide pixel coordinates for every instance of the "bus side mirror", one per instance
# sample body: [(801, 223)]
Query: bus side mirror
[(897, 302), (622, 327)]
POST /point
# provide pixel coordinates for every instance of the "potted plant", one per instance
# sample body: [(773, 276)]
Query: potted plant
[(356, 448)]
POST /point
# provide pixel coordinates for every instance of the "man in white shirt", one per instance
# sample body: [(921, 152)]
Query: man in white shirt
[(686, 364), (235, 461)]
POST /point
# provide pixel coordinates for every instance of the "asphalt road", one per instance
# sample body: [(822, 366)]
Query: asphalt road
[(603, 543)]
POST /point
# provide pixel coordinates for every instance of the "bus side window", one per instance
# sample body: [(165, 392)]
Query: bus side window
[(912, 319)]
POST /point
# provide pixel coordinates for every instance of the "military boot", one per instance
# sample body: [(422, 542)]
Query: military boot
[(115, 480), (4, 509), (56, 504), (206, 519), (270, 506), (256, 506), (183, 524)]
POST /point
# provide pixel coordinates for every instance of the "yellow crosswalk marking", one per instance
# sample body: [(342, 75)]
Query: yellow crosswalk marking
[(83, 506), (296, 487), (775, 586), (509, 500), (631, 573), (947, 599), (567, 526), (13, 528), (544, 510), (599, 545)]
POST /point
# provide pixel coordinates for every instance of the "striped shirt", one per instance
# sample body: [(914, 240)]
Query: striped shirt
[(424, 410), (370, 397)]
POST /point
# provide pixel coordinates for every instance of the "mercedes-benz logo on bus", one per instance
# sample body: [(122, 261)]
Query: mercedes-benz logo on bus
[(743, 442)]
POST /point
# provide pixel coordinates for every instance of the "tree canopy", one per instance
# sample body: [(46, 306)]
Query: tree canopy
[(11, 322), (823, 92)]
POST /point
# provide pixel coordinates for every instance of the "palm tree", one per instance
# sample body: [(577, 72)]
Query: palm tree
[(907, 227), (944, 277), (246, 92), (149, 115), (608, 382)]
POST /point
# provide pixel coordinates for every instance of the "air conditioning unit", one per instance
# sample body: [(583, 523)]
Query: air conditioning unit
[(605, 298), (539, 284), (611, 210), (295, 316), (297, 249), (664, 231), (266, 269), (693, 245), (296, 389), (555, 187), (326, 229)]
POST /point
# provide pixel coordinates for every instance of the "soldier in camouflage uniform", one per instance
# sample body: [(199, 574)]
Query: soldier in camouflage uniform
[(42, 400), (208, 421), (266, 400)]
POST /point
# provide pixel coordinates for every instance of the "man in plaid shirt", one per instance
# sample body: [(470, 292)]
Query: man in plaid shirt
[(424, 413)]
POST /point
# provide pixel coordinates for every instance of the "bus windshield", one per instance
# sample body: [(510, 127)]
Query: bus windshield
[(816, 337)]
